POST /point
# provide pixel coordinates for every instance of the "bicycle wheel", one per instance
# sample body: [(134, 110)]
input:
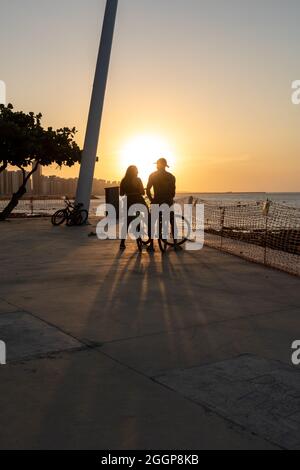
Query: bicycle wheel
[(84, 215), (182, 232), (70, 221), (142, 242), (77, 218), (162, 245), (59, 218)]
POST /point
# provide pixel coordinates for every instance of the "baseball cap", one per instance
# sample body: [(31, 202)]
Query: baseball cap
[(163, 161)]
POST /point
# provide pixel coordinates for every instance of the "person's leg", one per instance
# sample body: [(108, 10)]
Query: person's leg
[(122, 244), (151, 244)]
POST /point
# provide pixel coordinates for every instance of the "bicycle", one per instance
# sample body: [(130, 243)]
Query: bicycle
[(182, 233), (73, 215)]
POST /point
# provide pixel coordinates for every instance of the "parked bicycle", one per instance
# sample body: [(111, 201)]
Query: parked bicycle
[(73, 215), (166, 238), (182, 229)]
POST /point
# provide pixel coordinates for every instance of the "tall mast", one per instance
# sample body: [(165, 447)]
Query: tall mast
[(87, 168)]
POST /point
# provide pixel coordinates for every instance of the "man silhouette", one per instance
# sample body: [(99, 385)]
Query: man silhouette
[(163, 185)]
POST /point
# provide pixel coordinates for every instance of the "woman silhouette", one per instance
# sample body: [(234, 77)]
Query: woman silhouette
[(131, 187)]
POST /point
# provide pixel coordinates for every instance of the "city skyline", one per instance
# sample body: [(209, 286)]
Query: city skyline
[(41, 185), (213, 82)]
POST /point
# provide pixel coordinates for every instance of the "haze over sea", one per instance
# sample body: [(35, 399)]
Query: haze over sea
[(290, 199), (50, 205)]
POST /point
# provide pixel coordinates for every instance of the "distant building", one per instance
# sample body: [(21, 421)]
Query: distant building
[(37, 181), (41, 185), (4, 185), (10, 182)]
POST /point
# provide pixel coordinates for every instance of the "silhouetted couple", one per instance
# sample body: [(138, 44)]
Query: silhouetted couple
[(161, 189)]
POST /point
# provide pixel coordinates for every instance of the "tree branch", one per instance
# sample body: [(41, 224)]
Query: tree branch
[(32, 171), (23, 172), (27, 176)]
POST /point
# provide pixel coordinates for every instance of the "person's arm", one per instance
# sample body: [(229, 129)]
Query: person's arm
[(149, 187), (174, 187), (141, 188)]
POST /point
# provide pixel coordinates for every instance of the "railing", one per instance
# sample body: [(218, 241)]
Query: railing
[(35, 206), (264, 232), (42, 207)]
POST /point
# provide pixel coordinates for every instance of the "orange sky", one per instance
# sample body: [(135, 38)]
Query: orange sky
[(211, 81)]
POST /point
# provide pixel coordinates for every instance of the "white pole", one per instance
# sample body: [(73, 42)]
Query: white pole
[(87, 168)]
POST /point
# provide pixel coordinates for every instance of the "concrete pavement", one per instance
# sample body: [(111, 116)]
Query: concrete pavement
[(94, 338)]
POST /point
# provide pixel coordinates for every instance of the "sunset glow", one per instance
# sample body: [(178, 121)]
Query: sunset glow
[(143, 151), (199, 90)]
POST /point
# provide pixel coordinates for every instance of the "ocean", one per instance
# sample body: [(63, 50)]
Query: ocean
[(289, 199), (49, 206)]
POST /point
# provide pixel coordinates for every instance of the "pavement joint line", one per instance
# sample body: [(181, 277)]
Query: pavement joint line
[(215, 361), (14, 311), (10, 303), (37, 317), (215, 412), (218, 290), (204, 406), (97, 349), (48, 355), (130, 338), (225, 289), (196, 325)]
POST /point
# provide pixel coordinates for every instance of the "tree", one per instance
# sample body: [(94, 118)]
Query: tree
[(24, 143), (11, 135)]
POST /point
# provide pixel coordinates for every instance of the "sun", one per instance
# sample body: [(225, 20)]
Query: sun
[(143, 151)]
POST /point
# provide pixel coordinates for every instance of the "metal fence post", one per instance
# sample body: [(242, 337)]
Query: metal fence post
[(222, 224), (266, 210), (31, 206)]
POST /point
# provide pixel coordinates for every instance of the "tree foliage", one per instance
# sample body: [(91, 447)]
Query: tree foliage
[(25, 144)]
